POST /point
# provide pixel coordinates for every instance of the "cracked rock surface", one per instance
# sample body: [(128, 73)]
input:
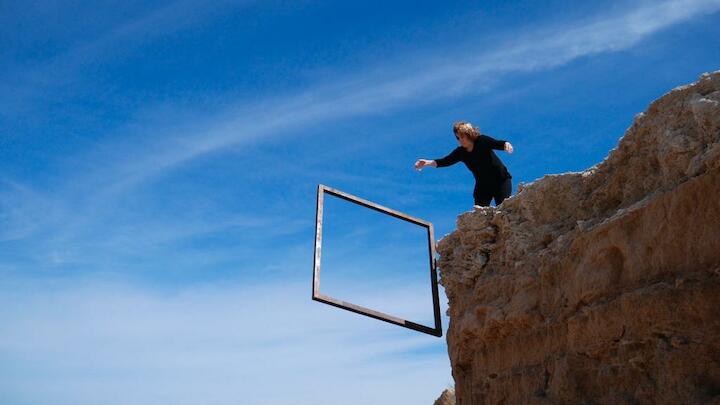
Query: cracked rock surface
[(601, 286)]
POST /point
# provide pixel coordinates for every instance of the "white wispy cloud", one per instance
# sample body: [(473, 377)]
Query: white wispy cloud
[(20, 207), (423, 80), (92, 341), (142, 155)]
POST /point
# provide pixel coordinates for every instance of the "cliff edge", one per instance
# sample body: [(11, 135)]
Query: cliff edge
[(601, 286)]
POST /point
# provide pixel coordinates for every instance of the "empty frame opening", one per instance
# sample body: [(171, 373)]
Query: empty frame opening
[(375, 261)]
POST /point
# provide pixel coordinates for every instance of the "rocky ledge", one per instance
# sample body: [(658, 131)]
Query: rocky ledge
[(601, 286)]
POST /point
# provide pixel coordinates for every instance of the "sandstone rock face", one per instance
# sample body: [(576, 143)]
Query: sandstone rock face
[(446, 398), (601, 286)]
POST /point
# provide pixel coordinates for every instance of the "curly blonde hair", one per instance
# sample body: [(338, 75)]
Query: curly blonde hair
[(465, 129)]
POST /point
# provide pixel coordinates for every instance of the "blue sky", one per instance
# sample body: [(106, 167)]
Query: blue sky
[(159, 163)]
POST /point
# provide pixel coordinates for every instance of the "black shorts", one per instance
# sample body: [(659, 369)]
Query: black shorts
[(483, 194)]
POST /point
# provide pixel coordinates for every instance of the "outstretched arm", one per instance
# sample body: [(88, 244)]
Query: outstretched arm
[(451, 159), (448, 160), (493, 143)]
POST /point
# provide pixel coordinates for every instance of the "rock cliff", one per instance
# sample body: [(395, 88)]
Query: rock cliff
[(601, 286), (446, 398)]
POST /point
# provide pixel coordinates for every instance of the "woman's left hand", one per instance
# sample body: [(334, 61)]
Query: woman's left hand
[(508, 147)]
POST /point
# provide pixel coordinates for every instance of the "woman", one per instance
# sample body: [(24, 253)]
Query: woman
[(492, 179)]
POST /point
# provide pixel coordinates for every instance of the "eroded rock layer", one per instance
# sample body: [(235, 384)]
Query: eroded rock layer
[(601, 286)]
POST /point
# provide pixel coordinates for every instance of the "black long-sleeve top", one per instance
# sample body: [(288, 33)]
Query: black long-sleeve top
[(485, 166)]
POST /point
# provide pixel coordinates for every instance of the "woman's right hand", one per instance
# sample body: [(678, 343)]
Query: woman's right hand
[(422, 163)]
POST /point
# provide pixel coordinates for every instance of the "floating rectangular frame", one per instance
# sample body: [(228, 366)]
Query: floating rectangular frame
[(317, 296)]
